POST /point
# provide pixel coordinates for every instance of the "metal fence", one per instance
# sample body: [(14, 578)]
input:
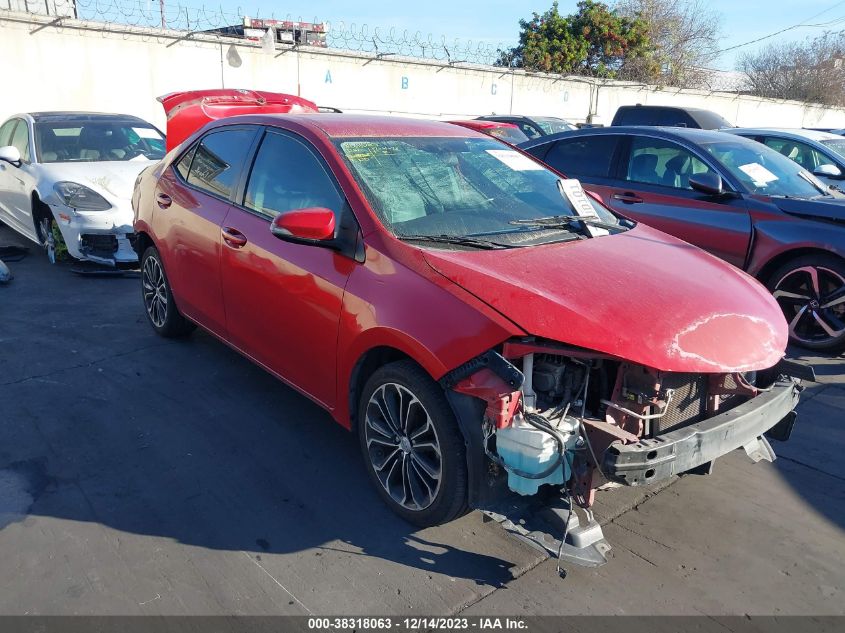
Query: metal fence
[(165, 14)]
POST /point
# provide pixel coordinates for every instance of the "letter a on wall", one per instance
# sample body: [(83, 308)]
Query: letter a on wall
[(328, 76)]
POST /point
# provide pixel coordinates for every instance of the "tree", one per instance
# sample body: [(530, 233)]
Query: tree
[(810, 71), (594, 41), (684, 35)]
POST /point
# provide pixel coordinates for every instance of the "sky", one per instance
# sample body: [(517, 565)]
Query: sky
[(497, 21)]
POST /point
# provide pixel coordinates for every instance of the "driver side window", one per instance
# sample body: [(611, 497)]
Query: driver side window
[(287, 176), (658, 162), (797, 152)]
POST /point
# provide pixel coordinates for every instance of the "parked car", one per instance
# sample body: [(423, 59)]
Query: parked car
[(532, 126), (736, 198), (508, 132), (669, 116), (66, 179), (821, 153), (474, 319)]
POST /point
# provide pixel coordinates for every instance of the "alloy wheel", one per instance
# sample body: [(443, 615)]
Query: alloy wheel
[(813, 300), (155, 291), (403, 446), (49, 239)]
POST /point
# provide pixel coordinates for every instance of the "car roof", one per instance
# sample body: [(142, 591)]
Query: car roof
[(359, 125), (67, 115), (483, 124), (693, 135), (672, 107), (795, 133)]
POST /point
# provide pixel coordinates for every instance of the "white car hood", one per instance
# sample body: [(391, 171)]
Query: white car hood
[(112, 179)]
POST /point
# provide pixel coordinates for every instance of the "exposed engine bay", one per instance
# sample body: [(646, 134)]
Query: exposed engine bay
[(562, 422)]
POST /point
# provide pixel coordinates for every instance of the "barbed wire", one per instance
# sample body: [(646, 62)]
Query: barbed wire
[(356, 37)]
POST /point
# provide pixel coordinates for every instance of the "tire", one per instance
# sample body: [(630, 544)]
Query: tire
[(403, 470), (159, 305), (47, 230), (806, 289)]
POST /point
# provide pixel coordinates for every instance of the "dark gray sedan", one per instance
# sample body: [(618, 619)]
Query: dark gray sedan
[(734, 197)]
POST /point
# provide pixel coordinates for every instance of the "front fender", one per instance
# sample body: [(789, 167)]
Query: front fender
[(774, 239)]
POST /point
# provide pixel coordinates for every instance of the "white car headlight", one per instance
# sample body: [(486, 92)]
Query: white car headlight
[(80, 197)]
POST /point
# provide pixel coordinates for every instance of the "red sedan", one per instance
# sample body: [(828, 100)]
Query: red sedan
[(488, 331)]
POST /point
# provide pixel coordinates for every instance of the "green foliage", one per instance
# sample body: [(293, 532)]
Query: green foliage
[(594, 41)]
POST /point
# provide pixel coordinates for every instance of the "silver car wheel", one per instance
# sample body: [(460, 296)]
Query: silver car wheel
[(403, 446), (813, 300), (46, 227), (155, 291)]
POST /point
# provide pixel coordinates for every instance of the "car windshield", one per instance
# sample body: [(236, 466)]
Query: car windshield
[(551, 125), (710, 120), (836, 144), (466, 187), (92, 140), (765, 171)]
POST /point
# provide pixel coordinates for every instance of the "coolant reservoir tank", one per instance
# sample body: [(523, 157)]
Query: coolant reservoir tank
[(527, 449)]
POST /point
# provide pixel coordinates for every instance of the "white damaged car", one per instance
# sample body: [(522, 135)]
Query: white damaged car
[(66, 181)]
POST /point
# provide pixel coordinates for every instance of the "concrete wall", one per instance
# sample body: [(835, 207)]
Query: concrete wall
[(92, 66)]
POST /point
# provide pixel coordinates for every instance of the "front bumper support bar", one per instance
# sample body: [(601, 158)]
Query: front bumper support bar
[(675, 452)]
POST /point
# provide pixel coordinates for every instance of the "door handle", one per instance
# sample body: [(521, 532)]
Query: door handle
[(627, 197), (233, 237), (164, 201)]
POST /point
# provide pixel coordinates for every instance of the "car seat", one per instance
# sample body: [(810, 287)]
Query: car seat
[(644, 169)]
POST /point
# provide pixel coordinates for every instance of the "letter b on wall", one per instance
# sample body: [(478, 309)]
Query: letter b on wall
[(404, 83)]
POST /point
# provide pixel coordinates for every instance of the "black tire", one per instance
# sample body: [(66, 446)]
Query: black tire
[(44, 229), (413, 461), (159, 304), (814, 323)]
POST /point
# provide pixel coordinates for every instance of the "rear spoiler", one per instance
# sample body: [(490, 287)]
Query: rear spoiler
[(189, 111)]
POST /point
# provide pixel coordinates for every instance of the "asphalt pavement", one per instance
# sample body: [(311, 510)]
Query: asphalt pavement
[(147, 476)]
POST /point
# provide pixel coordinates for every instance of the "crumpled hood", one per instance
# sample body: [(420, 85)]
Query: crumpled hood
[(640, 295), (112, 179), (831, 209)]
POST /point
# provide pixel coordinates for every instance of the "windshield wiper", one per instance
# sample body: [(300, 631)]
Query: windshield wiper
[(563, 221), (454, 239), (810, 180)]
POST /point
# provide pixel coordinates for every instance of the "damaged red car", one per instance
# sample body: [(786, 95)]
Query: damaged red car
[(494, 337)]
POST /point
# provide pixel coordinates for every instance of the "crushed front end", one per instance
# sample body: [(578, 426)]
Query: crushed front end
[(549, 424)]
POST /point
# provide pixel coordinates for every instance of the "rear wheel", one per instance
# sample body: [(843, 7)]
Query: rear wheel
[(811, 292), (162, 312), (413, 450)]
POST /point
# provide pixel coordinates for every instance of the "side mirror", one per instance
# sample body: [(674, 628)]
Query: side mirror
[(707, 183), (828, 170), (10, 154), (313, 224)]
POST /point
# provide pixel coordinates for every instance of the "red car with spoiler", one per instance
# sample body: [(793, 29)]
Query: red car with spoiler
[(494, 338)]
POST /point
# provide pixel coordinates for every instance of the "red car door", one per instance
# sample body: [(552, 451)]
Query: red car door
[(653, 188), (283, 300), (192, 200)]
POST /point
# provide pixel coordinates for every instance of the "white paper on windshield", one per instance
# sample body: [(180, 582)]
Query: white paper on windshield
[(146, 132), (580, 202), (514, 160), (759, 174)]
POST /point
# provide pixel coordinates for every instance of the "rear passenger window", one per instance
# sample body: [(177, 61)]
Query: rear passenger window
[(287, 176), (183, 165), (639, 116), (591, 156), (217, 163)]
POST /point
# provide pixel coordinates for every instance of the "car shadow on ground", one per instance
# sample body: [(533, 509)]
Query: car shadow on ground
[(188, 441)]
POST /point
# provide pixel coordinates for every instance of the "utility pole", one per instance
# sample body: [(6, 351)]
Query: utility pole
[(161, 10)]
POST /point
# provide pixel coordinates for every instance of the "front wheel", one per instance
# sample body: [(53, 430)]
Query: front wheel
[(162, 312), (811, 292), (413, 450)]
